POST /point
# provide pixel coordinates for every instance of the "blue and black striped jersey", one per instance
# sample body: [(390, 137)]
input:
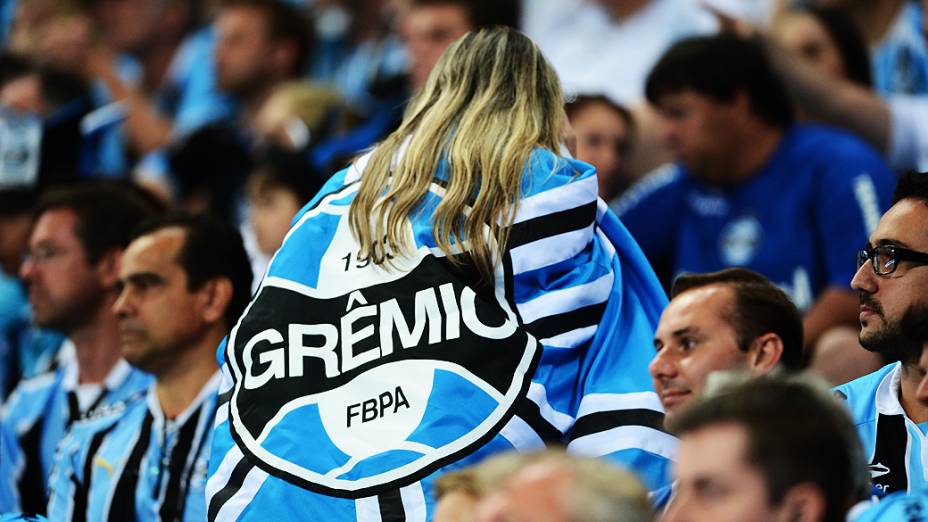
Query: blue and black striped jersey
[(348, 387), (127, 462), (39, 413)]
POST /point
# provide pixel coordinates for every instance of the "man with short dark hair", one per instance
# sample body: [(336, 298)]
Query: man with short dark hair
[(892, 282), (729, 320), (72, 269), (184, 280), (764, 450), (742, 166)]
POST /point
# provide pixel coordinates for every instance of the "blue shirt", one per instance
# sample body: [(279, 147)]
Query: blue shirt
[(41, 410), (127, 462), (799, 220), (398, 375), (894, 445)]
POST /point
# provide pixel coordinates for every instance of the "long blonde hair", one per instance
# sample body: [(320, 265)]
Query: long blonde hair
[(491, 99)]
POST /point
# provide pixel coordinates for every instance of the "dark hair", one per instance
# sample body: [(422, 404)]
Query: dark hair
[(107, 212), (759, 308), (848, 39), (482, 13), (581, 101), (277, 167), (284, 23), (912, 185), (796, 434), (719, 67), (211, 249)]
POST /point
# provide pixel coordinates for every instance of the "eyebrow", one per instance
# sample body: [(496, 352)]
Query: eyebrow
[(889, 242), (142, 278)]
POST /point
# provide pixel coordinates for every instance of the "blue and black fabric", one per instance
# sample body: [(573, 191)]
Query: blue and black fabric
[(349, 387)]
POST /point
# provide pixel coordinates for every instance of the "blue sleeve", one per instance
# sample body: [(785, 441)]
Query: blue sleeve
[(855, 190), (10, 459), (650, 211)]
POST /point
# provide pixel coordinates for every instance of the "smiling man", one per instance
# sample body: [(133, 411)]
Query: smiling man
[(734, 319), (892, 281)]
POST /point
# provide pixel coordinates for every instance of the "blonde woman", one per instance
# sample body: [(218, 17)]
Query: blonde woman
[(456, 292)]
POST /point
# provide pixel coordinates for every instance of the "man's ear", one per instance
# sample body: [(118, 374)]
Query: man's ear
[(107, 267), (215, 296), (764, 353), (804, 503)]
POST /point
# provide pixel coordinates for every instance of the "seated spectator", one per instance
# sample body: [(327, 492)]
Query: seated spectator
[(604, 133), (729, 320), (742, 166), (892, 281), (71, 270), (826, 38), (556, 487), (184, 281), (763, 450), (455, 497)]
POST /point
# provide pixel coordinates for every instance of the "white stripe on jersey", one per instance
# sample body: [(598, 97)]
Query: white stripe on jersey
[(538, 395), (622, 438), (220, 478), (564, 197), (550, 250), (521, 435), (414, 502), (567, 299)]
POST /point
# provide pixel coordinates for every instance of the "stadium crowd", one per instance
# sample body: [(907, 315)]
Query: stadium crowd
[(464, 260)]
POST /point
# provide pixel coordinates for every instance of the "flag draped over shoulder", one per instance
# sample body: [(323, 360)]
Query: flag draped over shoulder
[(348, 387)]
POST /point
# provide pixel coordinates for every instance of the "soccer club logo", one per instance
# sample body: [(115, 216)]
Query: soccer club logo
[(739, 241), (376, 387)]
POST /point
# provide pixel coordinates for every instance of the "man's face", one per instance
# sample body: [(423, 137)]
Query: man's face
[(714, 481), (428, 31), (694, 339), (65, 290), (243, 50), (129, 25), (699, 131), (158, 316), (885, 300)]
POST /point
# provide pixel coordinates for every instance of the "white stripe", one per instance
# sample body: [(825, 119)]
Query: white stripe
[(571, 339), (232, 509), (625, 438), (539, 396), (567, 299), (550, 250), (367, 509), (226, 383), (865, 194), (565, 197), (414, 502), (222, 415), (605, 242), (219, 479), (521, 435), (596, 402)]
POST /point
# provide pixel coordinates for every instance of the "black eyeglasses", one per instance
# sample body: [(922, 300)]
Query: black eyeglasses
[(885, 258)]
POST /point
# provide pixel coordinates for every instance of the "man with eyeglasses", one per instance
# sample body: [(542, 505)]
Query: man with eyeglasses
[(892, 282), (72, 271)]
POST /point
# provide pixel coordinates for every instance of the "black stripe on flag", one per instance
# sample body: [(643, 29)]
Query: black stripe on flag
[(552, 325), (236, 479), (606, 420), (548, 225), (530, 412), (391, 506)]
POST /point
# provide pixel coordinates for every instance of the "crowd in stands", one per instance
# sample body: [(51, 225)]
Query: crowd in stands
[(765, 155)]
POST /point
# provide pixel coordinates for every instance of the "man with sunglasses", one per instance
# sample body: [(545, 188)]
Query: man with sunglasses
[(892, 282)]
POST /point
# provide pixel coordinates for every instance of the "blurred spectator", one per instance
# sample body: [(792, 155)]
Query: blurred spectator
[(184, 281), (892, 280), (556, 487), (604, 133), (767, 449), (743, 165), (298, 114), (455, 497), (828, 39), (71, 270), (729, 320)]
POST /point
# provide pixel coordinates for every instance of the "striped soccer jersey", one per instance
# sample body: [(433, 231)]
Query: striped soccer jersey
[(128, 462), (895, 446), (348, 387), (39, 413)]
